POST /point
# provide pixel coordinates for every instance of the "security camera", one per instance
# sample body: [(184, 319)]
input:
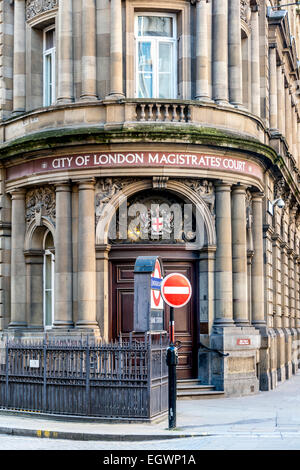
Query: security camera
[(277, 202), (280, 203)]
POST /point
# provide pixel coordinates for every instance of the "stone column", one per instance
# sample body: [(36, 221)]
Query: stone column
[(18, 265), (223, 266), (239, 256), (273, 88), (255, 71), (88, 44), (65, 93), (116, 50), (202, 91), (86, 294), (220, 51), (235, 53), (19, 70), (63, 313), (258, 317)]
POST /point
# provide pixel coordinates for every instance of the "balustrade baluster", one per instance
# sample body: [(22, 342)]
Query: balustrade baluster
[(182, 117), (158, 117), (143, 114)]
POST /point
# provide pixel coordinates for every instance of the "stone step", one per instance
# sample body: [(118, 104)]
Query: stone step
[(193, 389), (198, 395)]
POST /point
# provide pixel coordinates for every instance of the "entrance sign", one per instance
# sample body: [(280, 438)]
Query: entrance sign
[(148, 302), (135, 159), (176, 290)]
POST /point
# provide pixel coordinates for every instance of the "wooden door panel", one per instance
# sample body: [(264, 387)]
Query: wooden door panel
[(126, 300)]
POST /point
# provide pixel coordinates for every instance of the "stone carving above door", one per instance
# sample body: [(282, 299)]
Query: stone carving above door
[(106, 188), (205, 189), (40, 202)]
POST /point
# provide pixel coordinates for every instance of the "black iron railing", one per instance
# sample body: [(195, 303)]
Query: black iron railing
[(123, 379)]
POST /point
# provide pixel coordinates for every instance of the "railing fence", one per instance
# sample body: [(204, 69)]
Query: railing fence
[(122, 379)]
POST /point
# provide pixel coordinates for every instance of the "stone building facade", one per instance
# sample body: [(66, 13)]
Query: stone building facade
[(192, 104)]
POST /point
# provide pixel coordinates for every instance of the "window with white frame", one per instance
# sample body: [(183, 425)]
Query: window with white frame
[(156, 53), (49, 65), (48, 281)]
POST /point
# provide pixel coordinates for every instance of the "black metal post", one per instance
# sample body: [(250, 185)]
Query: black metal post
[(172, 361)]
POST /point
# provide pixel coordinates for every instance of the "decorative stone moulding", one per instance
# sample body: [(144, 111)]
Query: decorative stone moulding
[(36, 7), (40, 203), (245, 11), (205, 189)]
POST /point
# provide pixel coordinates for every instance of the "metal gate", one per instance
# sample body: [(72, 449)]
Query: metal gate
[(75, 377)]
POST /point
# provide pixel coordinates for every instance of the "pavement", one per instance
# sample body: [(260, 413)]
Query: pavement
[(272, 413)]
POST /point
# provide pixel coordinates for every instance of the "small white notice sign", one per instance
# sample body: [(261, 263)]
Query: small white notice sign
[(34, 363)]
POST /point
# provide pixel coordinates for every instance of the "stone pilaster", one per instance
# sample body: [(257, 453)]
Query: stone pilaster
[(239, 256), (234, 53), (206, 268), (65, 93), (294, 132), (220, 51), (63, 312), (255, 63), (88, 44), (280, 100), (202, 85), (102, 273), (116, 50), (19, 71), (258, 316), (223, 266), (18, 265), (86, 292), (273, 88), (286, 311), (288, 122)]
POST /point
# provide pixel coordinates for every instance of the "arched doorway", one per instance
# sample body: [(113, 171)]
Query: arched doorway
[(155, 223)]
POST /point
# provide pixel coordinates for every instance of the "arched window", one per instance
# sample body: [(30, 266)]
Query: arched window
[(48, 280)]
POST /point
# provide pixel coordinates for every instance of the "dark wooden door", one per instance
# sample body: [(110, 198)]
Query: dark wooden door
[(121, 317)]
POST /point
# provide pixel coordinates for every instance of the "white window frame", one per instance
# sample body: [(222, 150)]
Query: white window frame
[(154, 48), (48, 253), (46, 53)]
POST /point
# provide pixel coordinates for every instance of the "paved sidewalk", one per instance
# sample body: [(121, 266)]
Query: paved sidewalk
[(269, 413)]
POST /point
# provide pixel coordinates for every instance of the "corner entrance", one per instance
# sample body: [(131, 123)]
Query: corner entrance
[(175, 259)]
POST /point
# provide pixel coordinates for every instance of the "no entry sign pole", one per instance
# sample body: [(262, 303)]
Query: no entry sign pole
[(173, 360), (176, 291)]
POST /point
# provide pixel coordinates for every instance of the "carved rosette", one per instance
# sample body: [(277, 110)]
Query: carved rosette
[(36, 7), (40, 203)]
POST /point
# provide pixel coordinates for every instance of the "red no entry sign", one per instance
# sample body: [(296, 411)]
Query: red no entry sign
[(176, 290)]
